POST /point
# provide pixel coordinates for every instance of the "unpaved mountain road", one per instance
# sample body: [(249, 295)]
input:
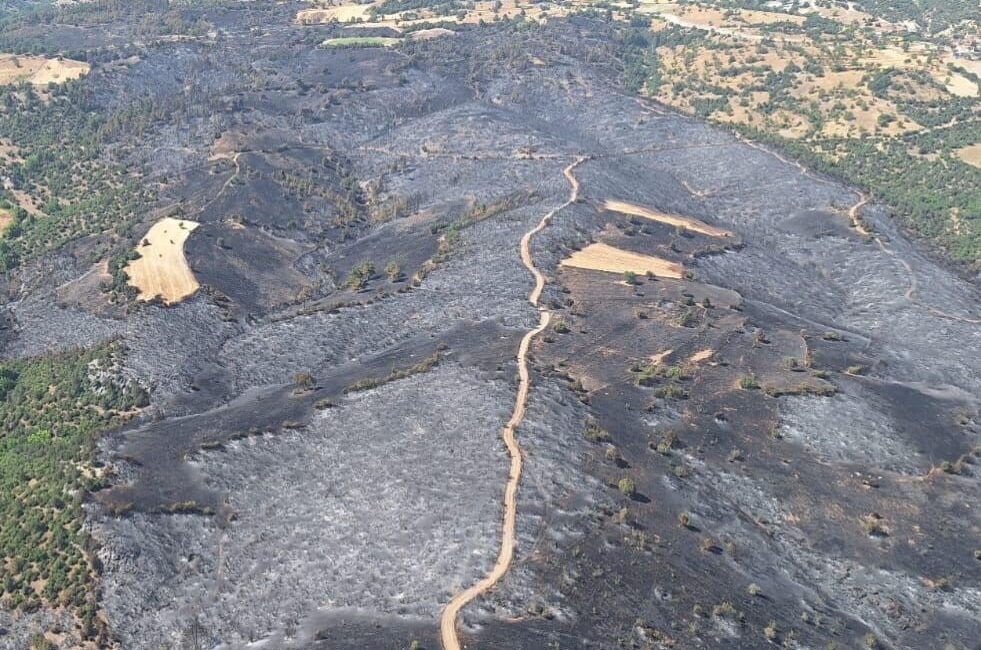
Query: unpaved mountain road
[(854, 214), (451, 612)]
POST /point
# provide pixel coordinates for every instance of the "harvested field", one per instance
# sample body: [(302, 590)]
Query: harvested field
[(163, 270), (961, 86), (342, 14), (38, 70), (971, 154), (672, 220), (603, 257)]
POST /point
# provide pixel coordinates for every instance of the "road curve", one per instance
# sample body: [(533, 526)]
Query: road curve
[(448, 619), (854, 214)]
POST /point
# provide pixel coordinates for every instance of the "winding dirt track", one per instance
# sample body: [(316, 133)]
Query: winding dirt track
[(447, 623), (854, 214)]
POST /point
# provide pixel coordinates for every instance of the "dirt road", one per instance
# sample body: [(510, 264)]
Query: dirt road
[(854, 214), (451, 612)]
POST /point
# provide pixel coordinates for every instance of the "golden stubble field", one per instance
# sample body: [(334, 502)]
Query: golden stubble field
[(687, 223), (971, 154), (38, 70), (603, 257), (162, 269)]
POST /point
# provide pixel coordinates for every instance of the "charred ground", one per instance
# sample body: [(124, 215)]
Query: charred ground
[(779, 447)]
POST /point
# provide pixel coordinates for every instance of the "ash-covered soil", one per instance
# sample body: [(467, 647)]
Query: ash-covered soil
[(832, 496)]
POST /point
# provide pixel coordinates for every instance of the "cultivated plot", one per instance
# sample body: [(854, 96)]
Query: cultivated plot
[(162, 269), (38, 70), (603, 257), (672, 220)]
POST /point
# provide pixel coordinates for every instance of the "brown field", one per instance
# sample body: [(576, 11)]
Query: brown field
[(603, 257), (38, 70), (673, 220), (971, 154), (162, 270), (5, 219)]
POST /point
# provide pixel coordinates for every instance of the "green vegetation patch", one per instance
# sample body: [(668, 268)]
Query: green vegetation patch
[(52, 410), (62, 171), (362, 41)]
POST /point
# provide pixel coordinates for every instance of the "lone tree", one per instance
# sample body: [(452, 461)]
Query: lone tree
[(393, 271), (359, 276), (303, 380), (627, 486)]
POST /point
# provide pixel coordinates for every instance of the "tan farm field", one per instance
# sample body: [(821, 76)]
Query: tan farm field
[(162, 269), (603, 257), (38, 70), (672, 220), (971, 154)]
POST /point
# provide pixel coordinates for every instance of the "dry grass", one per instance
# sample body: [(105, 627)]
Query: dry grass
[(38, 70), (486, 11), (961, 86), (971, 154), (603, 257), (25, 201), (5, 219), (852, 16), (162, 270), (672, 220), (344, 13), (739, 62), (702, 355)]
